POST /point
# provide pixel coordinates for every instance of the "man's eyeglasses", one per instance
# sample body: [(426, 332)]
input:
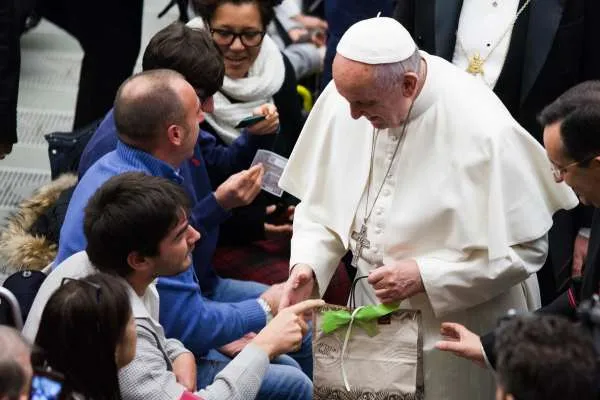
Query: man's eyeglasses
[(83, 282), (558, 171), (224, 37)]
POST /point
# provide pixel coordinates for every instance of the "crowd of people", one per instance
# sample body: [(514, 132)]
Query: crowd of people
[(453, 163)]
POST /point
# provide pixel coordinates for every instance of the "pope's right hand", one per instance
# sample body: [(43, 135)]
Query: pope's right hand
[(240, 189), (298, 287), (462, 342)]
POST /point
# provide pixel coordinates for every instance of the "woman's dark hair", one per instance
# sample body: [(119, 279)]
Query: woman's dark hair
[(131, 212), (207, 8), (80, 328)]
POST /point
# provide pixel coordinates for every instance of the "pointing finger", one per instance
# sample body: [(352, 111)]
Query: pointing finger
[(306, 305)]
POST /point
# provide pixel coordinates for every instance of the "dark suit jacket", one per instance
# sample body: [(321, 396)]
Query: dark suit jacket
[(554, 46), (567, 303)]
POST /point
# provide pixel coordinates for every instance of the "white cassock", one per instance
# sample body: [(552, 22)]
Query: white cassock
[(470, 198)]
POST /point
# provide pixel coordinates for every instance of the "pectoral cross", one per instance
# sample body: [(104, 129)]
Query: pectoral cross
[(361, 243), (475, 66)]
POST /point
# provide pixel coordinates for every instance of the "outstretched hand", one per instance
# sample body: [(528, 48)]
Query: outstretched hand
[(462, 342), (298, 287)]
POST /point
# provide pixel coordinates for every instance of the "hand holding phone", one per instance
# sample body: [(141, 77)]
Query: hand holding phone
[(269, 125), (249, 121)]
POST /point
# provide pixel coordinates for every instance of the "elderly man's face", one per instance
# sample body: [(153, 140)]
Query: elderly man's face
[(584, 180), (383, 107)]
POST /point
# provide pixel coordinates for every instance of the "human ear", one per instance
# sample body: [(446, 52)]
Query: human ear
[(137, 261), (175, 135), (409, 84)]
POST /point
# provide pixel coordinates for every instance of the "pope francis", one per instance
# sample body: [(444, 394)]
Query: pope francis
[(443, 198)]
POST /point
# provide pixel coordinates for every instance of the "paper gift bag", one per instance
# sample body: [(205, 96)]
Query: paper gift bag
[(373, 352)]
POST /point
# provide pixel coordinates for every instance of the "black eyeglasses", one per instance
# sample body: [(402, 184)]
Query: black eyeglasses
[(225, 37), (94, 286)]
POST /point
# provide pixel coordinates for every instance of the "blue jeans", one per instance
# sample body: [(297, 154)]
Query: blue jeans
[(232, 290), (283, 379)]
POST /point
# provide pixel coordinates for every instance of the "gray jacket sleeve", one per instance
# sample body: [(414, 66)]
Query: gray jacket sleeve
[(174, 348), (147, 376), (242, 377)]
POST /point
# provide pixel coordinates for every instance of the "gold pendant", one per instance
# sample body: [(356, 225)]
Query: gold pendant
[(475, 65)]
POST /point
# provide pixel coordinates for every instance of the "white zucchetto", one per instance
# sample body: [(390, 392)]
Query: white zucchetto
[(379, 40)]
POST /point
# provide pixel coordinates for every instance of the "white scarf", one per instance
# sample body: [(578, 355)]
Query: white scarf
[(265, 78)]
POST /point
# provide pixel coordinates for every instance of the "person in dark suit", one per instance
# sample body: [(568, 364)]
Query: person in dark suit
[(341, 15), (109, 33), (11, 19), (572, 139), (530, 51)]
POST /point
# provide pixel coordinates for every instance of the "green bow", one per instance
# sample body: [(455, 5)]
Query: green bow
[(366, 318)]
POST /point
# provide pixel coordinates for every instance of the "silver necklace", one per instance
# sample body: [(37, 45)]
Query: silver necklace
[(362, 242)]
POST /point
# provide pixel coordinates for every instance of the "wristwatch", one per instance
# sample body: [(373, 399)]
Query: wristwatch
[(266, 308)]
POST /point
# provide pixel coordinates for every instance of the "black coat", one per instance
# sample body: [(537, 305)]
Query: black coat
[(566, 304), (554, 46), (247, 223), (12, 18)]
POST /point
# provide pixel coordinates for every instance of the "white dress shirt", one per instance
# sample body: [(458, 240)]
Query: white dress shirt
[(481, 26)]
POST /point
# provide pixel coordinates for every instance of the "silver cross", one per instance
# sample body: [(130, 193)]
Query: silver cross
[(361, 243)]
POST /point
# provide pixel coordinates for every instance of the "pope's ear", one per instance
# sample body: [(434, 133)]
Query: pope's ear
[(410, 84)]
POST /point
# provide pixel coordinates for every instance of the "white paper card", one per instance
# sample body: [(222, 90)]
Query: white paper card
[(274, 165)]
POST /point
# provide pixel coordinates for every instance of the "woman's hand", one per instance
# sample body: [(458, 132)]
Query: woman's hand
[(269, 125)]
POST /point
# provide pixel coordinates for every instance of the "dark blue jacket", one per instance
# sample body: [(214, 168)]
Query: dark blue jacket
[(184, 312), (207, 214)]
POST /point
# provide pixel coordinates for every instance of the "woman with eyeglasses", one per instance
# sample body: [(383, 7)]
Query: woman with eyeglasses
[(87, 333), (259, 80)]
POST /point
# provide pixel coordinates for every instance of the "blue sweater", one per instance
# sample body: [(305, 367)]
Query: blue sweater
[(185, 314), (207, 214)]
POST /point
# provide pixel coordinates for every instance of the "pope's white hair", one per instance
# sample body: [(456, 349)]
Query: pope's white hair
[(392, 74)]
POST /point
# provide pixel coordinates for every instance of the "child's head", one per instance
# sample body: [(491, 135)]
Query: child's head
[(544, 358)]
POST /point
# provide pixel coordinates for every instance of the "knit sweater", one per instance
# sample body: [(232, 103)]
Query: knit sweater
[(185, 314)]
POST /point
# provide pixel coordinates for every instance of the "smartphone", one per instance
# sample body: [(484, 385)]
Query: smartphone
[(45, 385), (249, 121)]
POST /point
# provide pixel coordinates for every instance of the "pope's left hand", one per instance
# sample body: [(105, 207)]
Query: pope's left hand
[(396, 281)]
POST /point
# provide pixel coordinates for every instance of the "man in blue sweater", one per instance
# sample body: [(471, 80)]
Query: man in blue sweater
[(157, 114)]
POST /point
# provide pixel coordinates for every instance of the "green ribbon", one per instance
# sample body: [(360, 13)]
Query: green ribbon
[(366, 318)]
